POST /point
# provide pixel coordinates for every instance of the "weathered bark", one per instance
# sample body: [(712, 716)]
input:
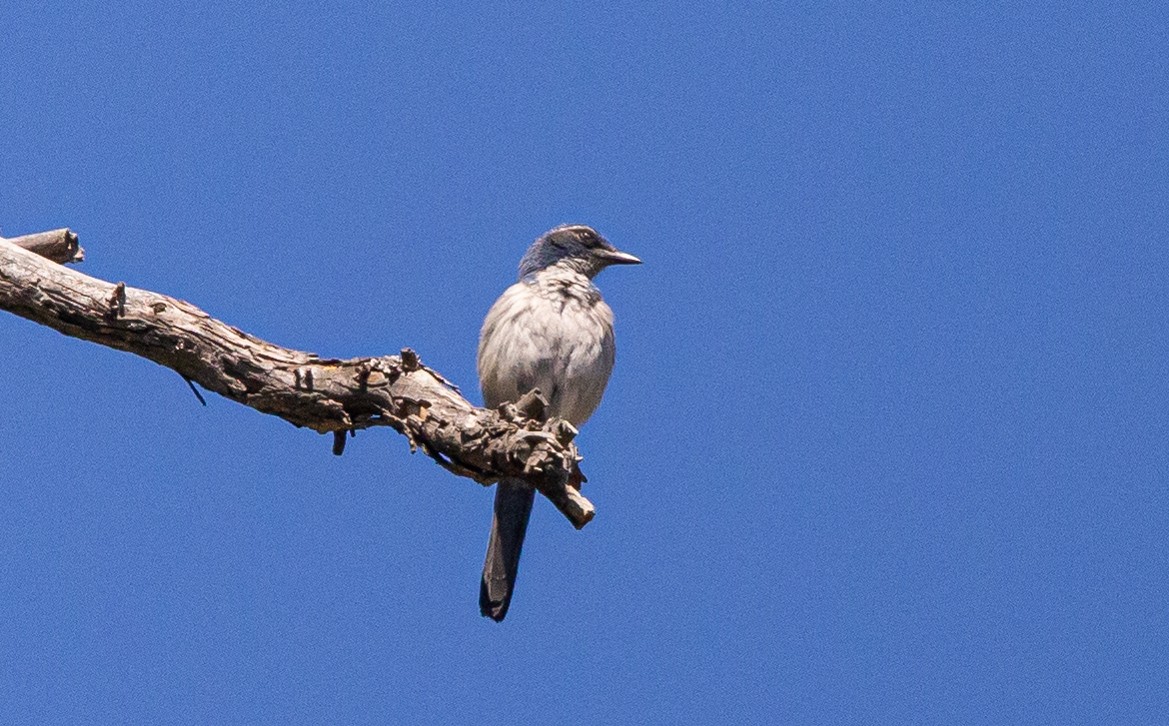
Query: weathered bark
[(59, 245), (324, 394)]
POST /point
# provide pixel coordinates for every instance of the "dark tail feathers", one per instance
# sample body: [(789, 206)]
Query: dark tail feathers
[(513, 506)]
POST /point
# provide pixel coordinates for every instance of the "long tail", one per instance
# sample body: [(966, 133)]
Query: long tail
[(513, 506)]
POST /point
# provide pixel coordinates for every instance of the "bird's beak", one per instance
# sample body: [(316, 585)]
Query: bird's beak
[(617, 257)]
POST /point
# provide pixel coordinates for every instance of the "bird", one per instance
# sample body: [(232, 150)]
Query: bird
[(550, 331)]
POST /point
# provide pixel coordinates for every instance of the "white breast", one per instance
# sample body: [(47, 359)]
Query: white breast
[(555, 334)]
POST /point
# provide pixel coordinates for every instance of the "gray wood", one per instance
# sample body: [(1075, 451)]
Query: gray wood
[(323, 394), (59, 245)]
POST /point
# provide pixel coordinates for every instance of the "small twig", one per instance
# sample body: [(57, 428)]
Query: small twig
[(195, 391)]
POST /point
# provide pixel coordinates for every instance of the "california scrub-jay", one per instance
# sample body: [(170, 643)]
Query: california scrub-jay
[(551, 331)]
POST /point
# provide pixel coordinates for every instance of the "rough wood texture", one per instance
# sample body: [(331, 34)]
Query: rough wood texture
[(324, 394), (60, 245)]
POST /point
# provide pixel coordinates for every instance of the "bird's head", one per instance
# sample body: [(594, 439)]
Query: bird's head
[(575, 247)]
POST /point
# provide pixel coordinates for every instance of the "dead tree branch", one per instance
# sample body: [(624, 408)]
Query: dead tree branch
[(324, 394)]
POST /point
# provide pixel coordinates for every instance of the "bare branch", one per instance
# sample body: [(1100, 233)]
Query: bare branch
[(324, 394)]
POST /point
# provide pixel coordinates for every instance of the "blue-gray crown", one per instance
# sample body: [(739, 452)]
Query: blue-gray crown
[(576, 246)]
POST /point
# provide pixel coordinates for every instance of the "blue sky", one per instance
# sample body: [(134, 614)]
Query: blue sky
[(887, 437)]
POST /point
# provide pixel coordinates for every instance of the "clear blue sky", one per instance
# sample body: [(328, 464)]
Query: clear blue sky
[(887, 438)]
